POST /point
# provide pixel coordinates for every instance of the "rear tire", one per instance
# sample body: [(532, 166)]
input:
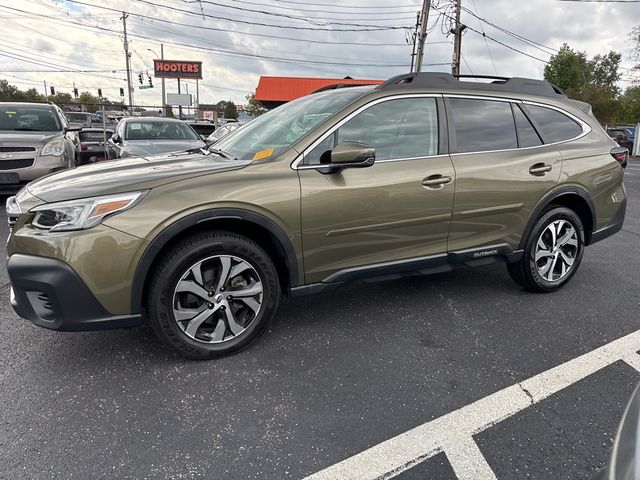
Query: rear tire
[(552, 253), (212, 294)]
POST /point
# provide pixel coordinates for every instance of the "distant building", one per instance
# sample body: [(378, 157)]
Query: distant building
[(274, 91)]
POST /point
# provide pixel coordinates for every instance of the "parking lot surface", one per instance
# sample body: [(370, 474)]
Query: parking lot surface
[(338, 376)]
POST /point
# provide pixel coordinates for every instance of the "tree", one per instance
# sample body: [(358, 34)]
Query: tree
[(227, 108), (90, 101), (603, 70), (253, 107), (630, 105), (568, 69), (8, 92), (32, 95), (61, 98)]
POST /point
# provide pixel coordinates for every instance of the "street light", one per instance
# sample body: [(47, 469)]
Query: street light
[(161, 57)]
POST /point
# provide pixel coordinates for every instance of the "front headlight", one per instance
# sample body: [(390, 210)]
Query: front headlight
[(13, 207), (83, 213), (54, 147)]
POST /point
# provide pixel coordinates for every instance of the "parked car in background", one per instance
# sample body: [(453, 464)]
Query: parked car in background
[(204, 128), (143, 136), (84, 119), (92, 147), (35, 140), (222, 132), (621, 137)]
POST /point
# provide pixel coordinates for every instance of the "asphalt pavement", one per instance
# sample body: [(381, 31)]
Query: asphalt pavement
[(336, 374)]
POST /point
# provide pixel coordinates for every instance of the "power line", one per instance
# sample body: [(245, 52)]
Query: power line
[(238, 32), (299, 9), (347, 6), (234, 53), (275, 14), (365, 28), (495, 70)]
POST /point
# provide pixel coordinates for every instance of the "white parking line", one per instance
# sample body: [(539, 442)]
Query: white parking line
[(452, 433)]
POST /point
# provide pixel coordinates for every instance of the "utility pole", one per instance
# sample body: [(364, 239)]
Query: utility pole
[(128, 59), (46, 95), (415, 40), (164, 98), (457, 41), (424, 18)]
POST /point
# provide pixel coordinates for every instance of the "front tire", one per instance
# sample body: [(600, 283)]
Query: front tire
[(212, 294), (553, 252)]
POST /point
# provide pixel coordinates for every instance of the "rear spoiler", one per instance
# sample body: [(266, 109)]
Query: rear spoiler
[(584, 106)]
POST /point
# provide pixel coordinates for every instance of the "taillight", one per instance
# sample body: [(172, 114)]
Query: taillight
[(621, 154), (83, 148)]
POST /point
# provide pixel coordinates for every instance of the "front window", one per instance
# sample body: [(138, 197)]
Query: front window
[(29, 118), (397, 129), (158, 130), (275, 131)]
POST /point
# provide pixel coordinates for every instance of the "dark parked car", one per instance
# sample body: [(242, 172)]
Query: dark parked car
[(621, 136), (92, 146), (202, 128), (142, 136)]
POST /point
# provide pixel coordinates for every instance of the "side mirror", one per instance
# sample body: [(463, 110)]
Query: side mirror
[(73, 127), (115, 138), (353, 155)]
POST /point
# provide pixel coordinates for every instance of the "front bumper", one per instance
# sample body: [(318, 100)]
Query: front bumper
[(49, 293)]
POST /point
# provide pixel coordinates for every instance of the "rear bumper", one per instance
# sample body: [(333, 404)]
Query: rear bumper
[(50, 294), (614, 226)]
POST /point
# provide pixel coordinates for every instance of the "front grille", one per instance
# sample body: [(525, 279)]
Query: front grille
[(17, 149), (17, 163)]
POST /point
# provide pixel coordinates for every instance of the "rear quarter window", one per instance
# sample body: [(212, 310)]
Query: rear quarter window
[(552, 124)]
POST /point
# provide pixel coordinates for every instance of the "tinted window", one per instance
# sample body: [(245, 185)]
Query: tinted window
[(404, 128), (527, 136), (483, 125), (554, 126)]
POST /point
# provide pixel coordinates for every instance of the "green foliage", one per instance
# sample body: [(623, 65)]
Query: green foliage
[(568, 69), (227, 109), (253, 107)]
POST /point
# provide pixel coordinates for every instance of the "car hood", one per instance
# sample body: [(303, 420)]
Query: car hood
[(32, 139), (136, 173), (154, 147)]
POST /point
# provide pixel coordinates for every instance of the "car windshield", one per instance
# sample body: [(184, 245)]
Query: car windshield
[(82, 118), (29, 118), (158, 130), (275, 131)]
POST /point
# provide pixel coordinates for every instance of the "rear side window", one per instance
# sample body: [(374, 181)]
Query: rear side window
[(527, 135), (483, 125), (554, 126)]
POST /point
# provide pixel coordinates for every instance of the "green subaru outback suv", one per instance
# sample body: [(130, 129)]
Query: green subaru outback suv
[(424, 172)]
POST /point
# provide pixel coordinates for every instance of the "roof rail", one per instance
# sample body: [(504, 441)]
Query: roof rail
[(335, 86), (499, 84)]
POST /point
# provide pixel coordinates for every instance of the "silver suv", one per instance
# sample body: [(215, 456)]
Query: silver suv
[(35, 140)]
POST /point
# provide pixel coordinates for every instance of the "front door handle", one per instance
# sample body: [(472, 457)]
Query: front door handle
[(435, 181), (540, 169)]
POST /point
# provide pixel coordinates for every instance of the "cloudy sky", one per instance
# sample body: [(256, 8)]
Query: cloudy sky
[(80, 42)]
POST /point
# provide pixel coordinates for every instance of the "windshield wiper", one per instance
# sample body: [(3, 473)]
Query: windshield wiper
[(218, 152), (28, 130)]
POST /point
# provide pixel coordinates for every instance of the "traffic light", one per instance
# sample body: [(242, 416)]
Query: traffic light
[(150, 82), (122, 92), (53, 90), (140, 77), (75, 92), (100, 92)]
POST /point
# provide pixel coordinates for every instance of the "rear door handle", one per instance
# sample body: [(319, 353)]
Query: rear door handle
[(436, 181), (540, 169)]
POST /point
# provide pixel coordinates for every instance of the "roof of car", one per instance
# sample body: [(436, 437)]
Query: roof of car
[(27, 104), (151, 119)]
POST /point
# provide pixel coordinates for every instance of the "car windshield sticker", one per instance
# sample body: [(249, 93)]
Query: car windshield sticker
[(263, 154)]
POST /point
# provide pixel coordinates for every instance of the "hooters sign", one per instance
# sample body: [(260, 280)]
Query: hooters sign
[(177, 69)]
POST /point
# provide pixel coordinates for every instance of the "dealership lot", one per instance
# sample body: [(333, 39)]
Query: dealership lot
[(345, 377)]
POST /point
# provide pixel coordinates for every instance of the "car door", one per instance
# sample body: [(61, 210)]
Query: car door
[(503, 170), (397, 209)]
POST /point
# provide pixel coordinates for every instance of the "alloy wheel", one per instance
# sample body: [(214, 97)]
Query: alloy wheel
[(217, 299), (556, 250)]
